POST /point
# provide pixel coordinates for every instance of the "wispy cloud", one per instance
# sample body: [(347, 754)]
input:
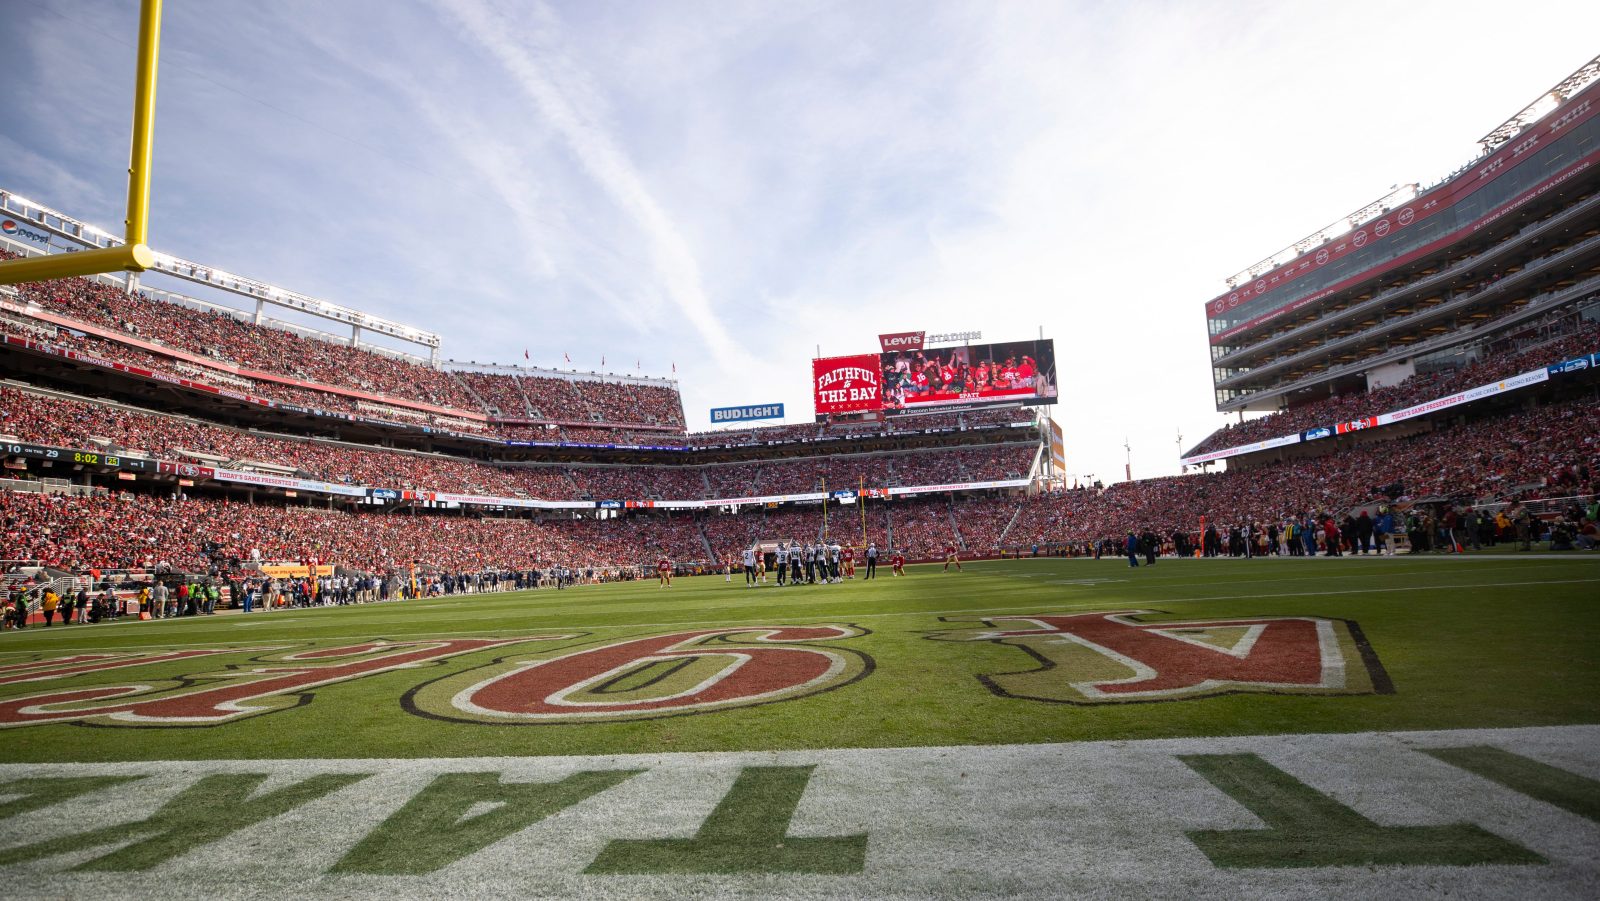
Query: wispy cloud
[(565, 98)]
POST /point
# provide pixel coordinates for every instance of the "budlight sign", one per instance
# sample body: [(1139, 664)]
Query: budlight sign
[(747, 413)]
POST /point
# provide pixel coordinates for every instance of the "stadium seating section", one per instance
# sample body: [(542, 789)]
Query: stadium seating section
[(1582, 337), (1543, 449)]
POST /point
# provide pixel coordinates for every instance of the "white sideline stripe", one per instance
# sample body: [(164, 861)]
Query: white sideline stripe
[(190, 625), (776, 620), (1102, 819)]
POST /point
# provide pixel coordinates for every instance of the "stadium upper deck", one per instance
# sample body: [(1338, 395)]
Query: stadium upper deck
[(1401, 285)]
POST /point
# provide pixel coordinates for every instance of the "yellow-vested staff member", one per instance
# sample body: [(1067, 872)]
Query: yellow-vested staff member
[(48, 605)]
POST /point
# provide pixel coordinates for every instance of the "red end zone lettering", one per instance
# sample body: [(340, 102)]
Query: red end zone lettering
[(1095, 658), (664, 675), (235, 692), (59, 667)]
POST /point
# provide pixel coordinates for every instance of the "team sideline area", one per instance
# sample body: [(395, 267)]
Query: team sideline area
[(1215, 728)]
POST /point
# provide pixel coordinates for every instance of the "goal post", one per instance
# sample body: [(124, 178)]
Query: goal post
[(134, 254)]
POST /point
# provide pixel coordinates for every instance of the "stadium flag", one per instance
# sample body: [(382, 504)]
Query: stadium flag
[(525, 354), (602, 359), (674, 367), (567, 357)]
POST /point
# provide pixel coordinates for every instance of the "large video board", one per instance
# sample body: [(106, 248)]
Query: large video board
[(971, 375)]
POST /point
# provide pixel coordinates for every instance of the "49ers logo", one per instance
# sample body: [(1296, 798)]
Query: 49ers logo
[(643, 678), (274, 679), (1097, 658)]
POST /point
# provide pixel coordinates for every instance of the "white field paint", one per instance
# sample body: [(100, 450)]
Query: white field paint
[(1092, 819)]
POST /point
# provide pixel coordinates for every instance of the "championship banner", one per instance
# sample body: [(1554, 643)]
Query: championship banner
[(1058, 447), (902, 341), (847, 384)]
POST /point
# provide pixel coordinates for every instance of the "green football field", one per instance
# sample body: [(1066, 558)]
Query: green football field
[(1032, 728), (933, 658)]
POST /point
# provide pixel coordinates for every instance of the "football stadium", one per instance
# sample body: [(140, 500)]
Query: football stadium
[(272, 565)]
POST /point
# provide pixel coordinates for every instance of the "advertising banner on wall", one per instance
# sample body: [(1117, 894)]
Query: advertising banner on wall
[(902, 341), (970, 375), (746, 413), (847, 384)]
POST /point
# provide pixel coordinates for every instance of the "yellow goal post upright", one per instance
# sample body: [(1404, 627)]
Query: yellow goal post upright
[(134, 254)]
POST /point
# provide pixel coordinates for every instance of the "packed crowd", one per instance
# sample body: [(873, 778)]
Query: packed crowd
[(223, 337), (236, 339), (63, 422), (127, 530), (518, 395), (1548, 452), (68, 422), (1584, 337), (1551, 451)]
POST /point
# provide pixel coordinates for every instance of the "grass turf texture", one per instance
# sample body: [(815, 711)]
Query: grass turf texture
[(1466, 642)]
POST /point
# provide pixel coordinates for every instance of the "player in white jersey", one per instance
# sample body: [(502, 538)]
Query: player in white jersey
[(783, 562), (833, 562), (749, 567)]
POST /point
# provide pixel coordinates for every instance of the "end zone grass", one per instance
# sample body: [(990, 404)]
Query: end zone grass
[(1466, 643)]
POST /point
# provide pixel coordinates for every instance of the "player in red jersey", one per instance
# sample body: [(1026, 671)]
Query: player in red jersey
[(664, 572), (950, 556), (848, 555), (897, 563)]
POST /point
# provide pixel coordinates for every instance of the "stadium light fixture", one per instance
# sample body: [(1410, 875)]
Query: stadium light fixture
[(1585, 75), (134, 255)]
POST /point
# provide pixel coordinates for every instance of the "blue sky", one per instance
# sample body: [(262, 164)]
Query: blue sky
[(726, 186)]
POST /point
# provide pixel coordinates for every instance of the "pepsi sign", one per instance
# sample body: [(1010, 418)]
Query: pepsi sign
[(14, 229)]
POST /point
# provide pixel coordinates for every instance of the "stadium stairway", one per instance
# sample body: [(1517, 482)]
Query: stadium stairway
[(456, 377), (955, 527), (1005, 532), (705, 542)]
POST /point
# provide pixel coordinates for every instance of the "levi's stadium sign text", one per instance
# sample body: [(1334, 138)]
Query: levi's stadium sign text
[(746, 413), (847, 384), (902, 341)]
